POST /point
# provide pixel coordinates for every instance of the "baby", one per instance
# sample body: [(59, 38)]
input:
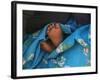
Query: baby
[(55, 37)]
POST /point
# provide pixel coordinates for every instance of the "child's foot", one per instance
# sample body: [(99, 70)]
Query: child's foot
[(55, 33), (47, 46)]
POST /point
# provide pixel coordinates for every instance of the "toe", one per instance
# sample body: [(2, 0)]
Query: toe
[(53, 24), (49, 27), (57, 25)]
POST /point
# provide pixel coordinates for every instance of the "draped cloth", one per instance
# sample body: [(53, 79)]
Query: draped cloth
[(73, 51)]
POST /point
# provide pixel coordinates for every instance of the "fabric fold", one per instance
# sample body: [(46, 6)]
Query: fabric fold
[(35, 57)]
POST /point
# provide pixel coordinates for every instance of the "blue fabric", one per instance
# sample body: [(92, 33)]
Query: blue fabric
[(74, 51)]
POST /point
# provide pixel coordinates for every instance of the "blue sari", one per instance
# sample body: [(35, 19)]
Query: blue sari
[(73, 51)]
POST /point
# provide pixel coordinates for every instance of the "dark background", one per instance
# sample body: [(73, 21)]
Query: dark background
[(35, 20)]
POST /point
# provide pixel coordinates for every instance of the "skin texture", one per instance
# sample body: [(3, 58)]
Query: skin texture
[(55, 36)]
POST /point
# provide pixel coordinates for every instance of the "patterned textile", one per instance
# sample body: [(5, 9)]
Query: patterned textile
[(73, 51)]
